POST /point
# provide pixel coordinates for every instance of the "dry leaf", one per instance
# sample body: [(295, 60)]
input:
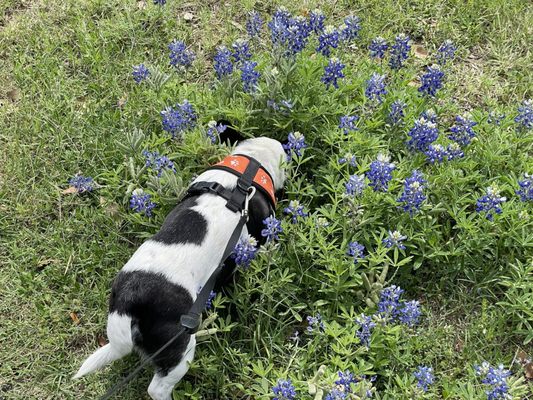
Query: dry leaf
[(237, 25), (141, 5), (527, 363), (459, 345), (46, 261), (187, 16), (414, 83), (122, 101), (74, 317), (70, 190), (13, 95), (101, 341), (304, 12), (420, 51)]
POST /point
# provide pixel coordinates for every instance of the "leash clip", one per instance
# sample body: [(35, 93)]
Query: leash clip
[(251, 191)]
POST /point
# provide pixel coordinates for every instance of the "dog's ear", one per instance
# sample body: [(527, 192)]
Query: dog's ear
[(230, 135)]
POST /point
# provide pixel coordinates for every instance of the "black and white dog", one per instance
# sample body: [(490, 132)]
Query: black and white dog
[(161, 280)]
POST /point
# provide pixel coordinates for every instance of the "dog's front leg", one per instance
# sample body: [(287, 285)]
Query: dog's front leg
[(162, 385)]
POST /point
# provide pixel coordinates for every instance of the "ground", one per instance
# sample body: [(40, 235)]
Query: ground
[(64, 77)]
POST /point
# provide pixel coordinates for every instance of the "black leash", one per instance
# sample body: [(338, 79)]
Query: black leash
[(190, 322)]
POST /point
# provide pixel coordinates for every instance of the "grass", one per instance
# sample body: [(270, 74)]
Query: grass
[(66, 96)]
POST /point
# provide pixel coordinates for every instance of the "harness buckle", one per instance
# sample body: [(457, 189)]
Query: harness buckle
[(251, 191)]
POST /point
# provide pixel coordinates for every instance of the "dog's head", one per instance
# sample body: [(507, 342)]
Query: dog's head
[(269, 152)]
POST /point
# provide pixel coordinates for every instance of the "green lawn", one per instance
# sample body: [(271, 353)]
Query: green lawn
[(66, 97)]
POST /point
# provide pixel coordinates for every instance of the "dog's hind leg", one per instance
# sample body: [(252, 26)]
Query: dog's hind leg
[(162, 384), (120, 344)]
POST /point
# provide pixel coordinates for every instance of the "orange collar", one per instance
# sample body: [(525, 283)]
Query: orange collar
[(237, 164)]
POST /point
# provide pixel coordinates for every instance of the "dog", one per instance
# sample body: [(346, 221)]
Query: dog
[(161, 280)]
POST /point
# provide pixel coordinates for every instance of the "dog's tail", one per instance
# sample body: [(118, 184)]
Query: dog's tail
[(120, 344)]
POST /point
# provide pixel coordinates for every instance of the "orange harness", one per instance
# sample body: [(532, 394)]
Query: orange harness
[(236, 164)]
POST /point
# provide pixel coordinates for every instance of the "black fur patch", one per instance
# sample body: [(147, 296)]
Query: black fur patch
[(183, 225), (155, 306)]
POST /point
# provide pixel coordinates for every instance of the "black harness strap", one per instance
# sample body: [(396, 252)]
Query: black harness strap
[(213, 187)]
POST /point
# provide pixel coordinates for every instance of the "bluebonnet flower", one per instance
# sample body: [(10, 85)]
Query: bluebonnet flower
[(413, 196), (327, 40), (356, 250), (157, 162), (179, 55), (429, 115), (348, 158), (496, 379), (375, 88), (284, 106), (249, 76), (295, 210), (315, 323), (389, 301), (355, 185), (399, 51), (424, 377), (423, 133), (287, 104), (365, 329), (446, 52), (254, 24), (350, 29), (288, 32), (380, 173), (436, 153), (336, 393), (298, 33), (482, 369), (322, 222), (462, 131), (272, 228), (454, 151), (241, 51), (82, 183), (141, 202), (345, 380), (490, 202), (222, 62), (178, 119), (209, 302), (378, 47), (214, 130), (525, 116), (279, 25), (140, 73), (316, 21), (431, 81), (347, 123), (396, 113), (160, 2), (245, 251), (526, 188), (394, 239), (295, 145), (409, 313), (494, 118), (332, 72), (284, 390)]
